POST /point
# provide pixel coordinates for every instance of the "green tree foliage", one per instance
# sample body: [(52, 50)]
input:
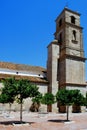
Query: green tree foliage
[(37, 98), (64, 97), (4, 98), (36, 103), (25, 89), (8, 91), (77, 97), (48, 99), (85, 101)]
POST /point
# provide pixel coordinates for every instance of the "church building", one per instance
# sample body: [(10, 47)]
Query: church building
[(65, 62)]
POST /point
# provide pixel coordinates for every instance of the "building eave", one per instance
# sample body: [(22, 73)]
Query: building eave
[(30, 78)]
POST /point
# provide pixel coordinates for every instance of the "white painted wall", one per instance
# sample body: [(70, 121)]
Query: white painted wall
[(22, 73)]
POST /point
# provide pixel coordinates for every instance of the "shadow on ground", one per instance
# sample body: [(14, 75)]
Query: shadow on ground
[(14, 122), (58, 121)]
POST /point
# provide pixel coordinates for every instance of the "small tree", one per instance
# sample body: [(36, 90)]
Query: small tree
[(20, 89), (86, 100), (24, 90), (64, 97), (78, 100), (36, 103), (8, 91), (4, 98), (48, 99)]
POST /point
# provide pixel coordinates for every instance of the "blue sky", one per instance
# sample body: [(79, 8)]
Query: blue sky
[(27, 27)]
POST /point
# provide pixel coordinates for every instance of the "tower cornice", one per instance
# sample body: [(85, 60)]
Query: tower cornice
[(73, 25), (73, 85), (72, 57)]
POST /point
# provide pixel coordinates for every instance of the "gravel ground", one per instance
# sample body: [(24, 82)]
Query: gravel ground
[(43, 121)]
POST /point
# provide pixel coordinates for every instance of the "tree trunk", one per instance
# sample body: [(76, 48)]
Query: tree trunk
[(9, 108), (67, 110), (21, 111)]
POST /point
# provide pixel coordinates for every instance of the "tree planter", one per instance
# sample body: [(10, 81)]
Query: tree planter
[(76, 108), (49, 108), (62, 109)]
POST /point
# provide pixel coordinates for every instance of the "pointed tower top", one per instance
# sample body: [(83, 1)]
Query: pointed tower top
[(67, 4)]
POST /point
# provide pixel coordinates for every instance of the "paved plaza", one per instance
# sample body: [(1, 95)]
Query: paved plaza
[(43, 121)]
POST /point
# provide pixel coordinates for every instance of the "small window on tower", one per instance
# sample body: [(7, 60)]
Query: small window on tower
[(60, 22), (73, 19), (74, 35), (60, 38), (74, 39)]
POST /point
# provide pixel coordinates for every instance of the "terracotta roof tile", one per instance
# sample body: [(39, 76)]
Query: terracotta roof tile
[(23, 67)]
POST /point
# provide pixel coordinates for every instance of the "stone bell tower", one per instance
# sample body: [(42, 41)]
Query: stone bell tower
[(66, 61), (71, 53)]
